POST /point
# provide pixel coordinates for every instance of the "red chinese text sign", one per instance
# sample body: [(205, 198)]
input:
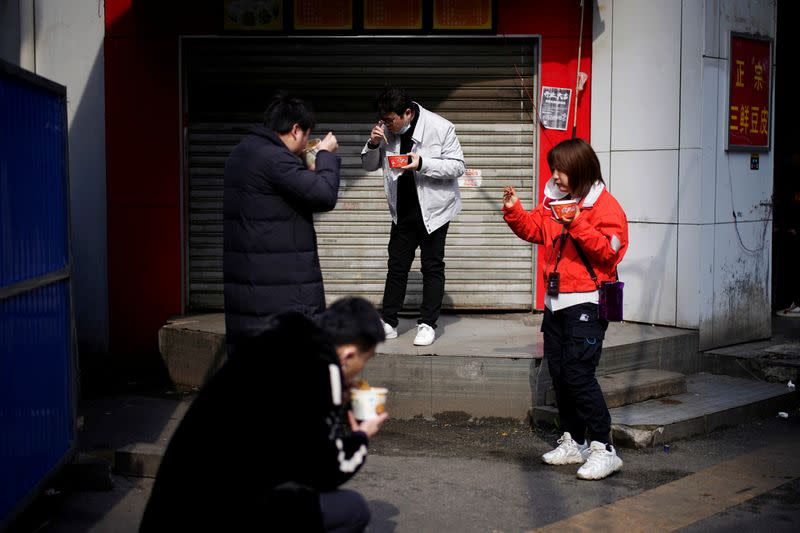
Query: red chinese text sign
[(750, 89)]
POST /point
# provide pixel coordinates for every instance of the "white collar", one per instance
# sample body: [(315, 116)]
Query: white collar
[(594, 194), (552, 192)]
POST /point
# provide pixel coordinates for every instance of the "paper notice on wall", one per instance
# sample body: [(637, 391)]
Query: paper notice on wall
[(470, 178), (554, 107)]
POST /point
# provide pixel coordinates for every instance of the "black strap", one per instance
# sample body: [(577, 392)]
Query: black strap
[(562, 238), (586, 262)]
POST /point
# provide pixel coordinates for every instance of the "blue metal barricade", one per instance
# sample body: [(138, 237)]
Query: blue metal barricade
[(37, 354)]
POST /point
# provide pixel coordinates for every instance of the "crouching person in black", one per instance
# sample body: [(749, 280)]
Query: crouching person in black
[(270, 438)]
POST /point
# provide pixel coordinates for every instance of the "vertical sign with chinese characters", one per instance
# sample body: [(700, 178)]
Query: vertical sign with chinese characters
[(750, 89)]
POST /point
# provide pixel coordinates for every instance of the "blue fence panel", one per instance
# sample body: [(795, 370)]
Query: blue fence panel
[(36, 414), (37, 378), (33, 214)]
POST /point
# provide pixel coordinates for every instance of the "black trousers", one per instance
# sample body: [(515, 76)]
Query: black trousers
[(573, 341), (344, 511), (406, 236)]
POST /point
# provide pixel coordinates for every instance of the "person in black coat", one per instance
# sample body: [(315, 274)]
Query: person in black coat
[(270, 260), (270, 437)]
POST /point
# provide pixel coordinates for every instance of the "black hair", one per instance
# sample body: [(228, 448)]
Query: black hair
[(352, 320), (393, 100), (285, 111), (576, 159)]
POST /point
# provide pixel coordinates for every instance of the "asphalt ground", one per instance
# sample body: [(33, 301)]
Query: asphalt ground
[(456, 474)]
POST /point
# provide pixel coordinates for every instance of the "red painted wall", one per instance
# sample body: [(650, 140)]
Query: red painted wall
[(143, 148), (559, 25)]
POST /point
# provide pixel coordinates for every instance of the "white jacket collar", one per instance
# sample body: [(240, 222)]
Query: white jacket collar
[(419, 130), (552, 192), (594, 194)]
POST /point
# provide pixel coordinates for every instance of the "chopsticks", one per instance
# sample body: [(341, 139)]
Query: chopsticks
[(383, 134)]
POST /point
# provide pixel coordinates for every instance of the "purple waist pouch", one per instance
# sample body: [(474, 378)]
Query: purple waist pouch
[(610, 307)]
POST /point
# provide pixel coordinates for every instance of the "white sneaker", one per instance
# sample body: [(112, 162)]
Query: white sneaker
[(567, 452), (425, 335), (391, 333), (600, 463), (791, 311)]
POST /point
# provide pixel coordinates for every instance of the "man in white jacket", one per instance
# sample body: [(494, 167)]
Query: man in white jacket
[(423, 198)]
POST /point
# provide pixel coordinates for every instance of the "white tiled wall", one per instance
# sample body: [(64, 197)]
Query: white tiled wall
[(695, 189), (605, 169), (745, 16), (601, 76), (711, 131), (645, 77), (742, 265), (695, 273), (69, 50), (691, 73), (747, 192), (711, 37), (649, 273), (646, 184), (667, 66)]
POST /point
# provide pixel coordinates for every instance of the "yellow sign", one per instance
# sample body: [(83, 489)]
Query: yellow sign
[(462, 14)]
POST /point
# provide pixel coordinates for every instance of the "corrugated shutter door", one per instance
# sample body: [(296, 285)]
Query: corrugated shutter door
[(471, 82)]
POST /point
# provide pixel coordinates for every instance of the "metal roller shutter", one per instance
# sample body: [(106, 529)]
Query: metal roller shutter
[(471, 82)]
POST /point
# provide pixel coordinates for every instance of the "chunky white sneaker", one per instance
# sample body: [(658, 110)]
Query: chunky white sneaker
[(600, 463), (791, 311), (425, 335), (567, 452), (391, 333)]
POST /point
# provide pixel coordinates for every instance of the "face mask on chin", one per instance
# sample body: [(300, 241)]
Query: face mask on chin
[(404, 129)]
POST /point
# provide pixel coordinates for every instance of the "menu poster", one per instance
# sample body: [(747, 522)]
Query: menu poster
[(390, 15), (462, 14), (750, 91), (323, 14), (554, 107), (253, 15)]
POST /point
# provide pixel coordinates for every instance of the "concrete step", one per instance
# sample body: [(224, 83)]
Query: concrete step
[(481, 365), (632, 386), (775, 360), (139, 459), (193, 348), (710, 402)]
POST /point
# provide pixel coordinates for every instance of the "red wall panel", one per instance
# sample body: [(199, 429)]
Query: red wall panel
[(558, 23), (143, 187)]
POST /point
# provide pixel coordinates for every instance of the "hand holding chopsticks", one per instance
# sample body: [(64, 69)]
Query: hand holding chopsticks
[(377, 134)]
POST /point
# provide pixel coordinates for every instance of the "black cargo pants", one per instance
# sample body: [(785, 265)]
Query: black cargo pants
[(573, 341)]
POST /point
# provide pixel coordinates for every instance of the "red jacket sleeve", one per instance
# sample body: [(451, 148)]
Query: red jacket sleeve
[(605, 240), (526, 224)]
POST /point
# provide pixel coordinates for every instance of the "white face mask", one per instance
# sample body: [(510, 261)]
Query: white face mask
[(404, 129)]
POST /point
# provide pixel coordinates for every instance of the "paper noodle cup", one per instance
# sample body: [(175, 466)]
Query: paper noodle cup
[(397, 161), (564, 209), (309, 153), (368, 403)]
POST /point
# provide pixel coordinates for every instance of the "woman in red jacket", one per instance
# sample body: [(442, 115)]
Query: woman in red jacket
[(573, 331)]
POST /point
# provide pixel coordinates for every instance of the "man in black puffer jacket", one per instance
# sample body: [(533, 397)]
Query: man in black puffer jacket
[(270, 261)]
